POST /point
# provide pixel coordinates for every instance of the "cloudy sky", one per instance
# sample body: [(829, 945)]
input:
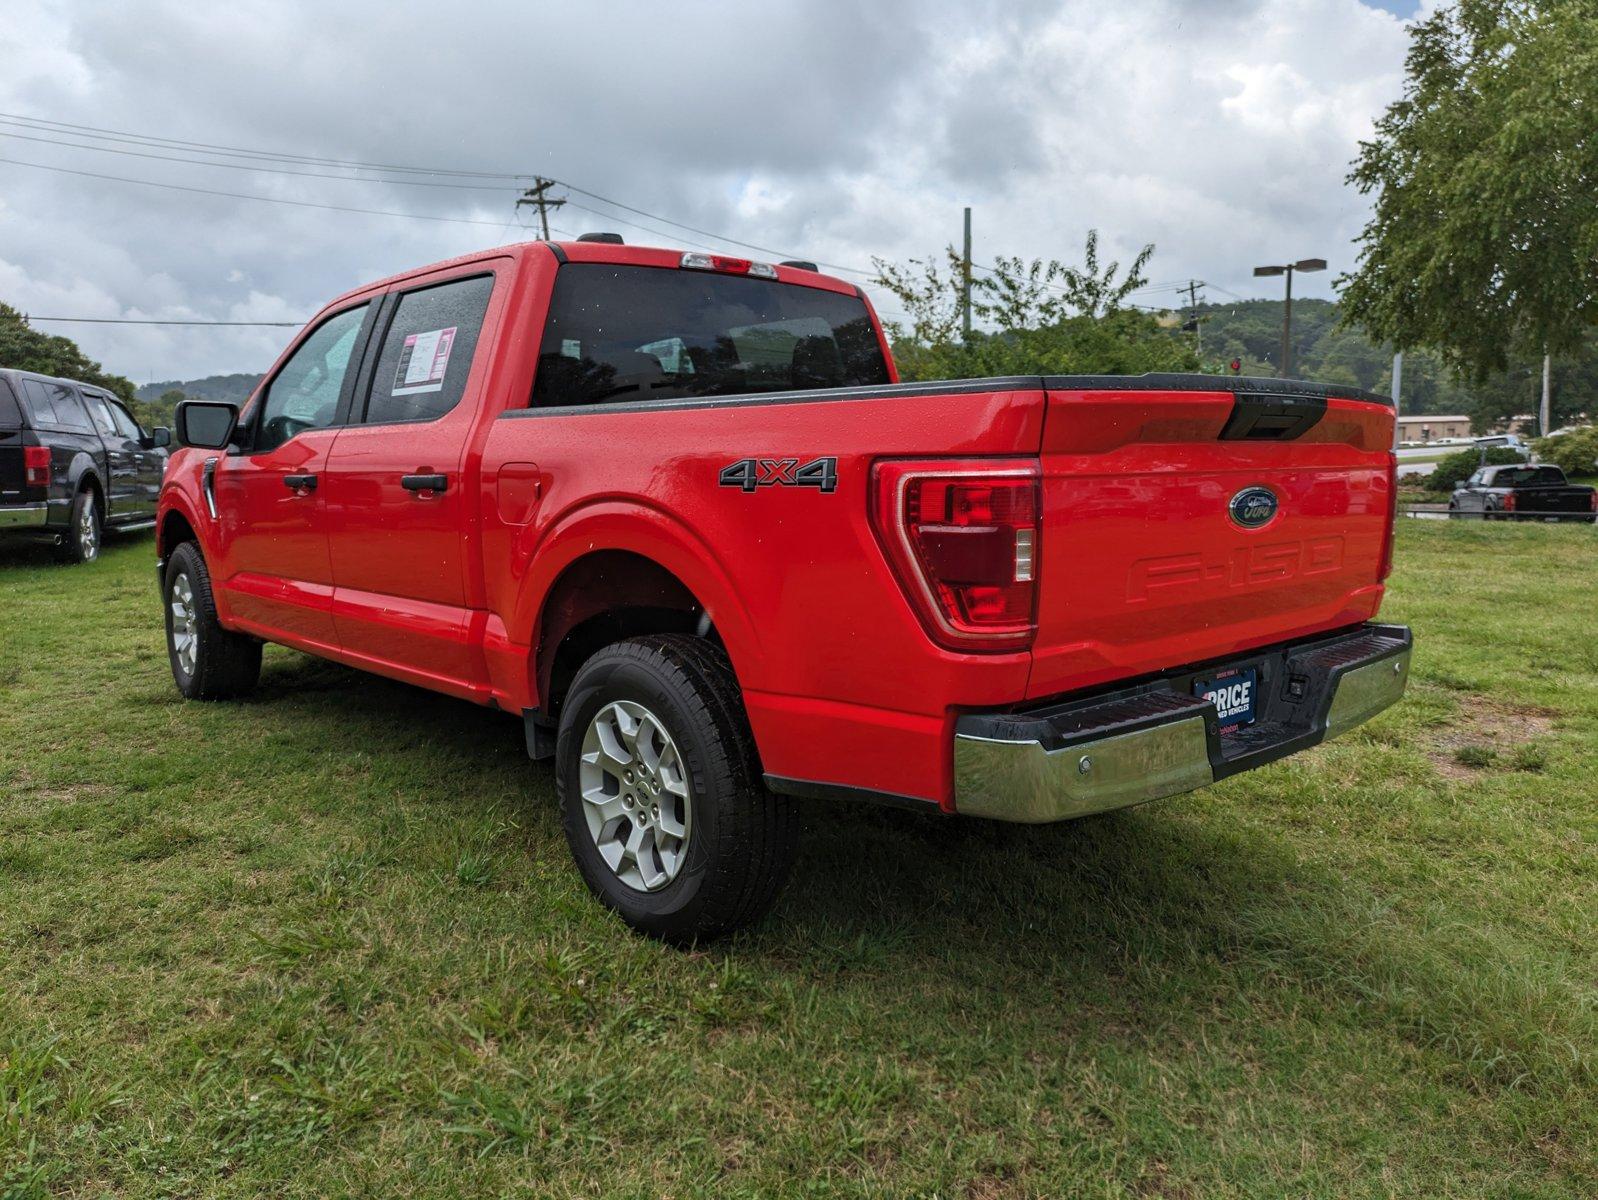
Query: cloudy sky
[(1220, 130)]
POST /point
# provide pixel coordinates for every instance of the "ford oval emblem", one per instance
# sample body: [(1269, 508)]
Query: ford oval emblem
[(1253, 507)]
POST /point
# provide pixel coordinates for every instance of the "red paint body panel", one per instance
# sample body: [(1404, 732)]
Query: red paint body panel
[(1143, 568), (1139, 566)]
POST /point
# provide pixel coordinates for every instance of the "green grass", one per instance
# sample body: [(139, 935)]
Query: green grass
[(329, 942)]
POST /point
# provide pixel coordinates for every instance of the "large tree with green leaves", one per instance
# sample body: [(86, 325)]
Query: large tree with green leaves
[(1483, 243), (26, 349)]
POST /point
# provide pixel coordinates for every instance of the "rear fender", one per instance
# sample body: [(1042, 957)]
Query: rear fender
[(638, 529)]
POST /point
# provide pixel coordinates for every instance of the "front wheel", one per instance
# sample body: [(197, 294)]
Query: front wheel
[(208, 661), (661, 793)]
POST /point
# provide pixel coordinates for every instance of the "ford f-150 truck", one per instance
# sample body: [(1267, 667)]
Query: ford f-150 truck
[(1524, 493), (676, 512)]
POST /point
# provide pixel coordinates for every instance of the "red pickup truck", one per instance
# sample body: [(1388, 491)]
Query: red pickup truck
[(675, 511)]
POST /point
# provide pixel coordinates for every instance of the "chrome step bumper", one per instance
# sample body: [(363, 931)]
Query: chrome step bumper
[(23, 516), (1073, 758)]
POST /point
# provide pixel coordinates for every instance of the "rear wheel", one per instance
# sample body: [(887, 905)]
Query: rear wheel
[(661, 794), (208, 662), (82, 540)]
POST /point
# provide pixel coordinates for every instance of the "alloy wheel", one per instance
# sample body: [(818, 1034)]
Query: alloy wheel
[(88, 530), (185, 622), (635, 795)]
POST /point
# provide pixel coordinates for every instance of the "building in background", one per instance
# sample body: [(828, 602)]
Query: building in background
[(1424, 427)]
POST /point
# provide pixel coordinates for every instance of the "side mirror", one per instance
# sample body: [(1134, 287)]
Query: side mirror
[(158, 438), (207, 424)]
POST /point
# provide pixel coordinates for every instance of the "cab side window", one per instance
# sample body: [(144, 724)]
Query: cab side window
[(126, 425), (427, 351), (305, 393)]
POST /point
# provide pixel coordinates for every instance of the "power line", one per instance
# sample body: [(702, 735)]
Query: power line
[(139, 139), (178, 187), (274, 170), (101, 134)]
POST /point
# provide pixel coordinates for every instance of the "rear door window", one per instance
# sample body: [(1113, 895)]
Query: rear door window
[(10, 411), (619, 334), (55, 406), (427, 351)]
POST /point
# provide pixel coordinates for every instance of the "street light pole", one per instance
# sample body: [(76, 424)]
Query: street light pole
[(1303, 264)]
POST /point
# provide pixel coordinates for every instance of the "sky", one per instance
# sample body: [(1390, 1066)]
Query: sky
[(1219, 130)]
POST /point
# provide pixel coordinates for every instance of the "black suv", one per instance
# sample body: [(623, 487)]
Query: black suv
[(73, 463)]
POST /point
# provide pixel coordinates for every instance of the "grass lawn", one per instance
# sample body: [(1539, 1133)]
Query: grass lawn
[(329, 941)]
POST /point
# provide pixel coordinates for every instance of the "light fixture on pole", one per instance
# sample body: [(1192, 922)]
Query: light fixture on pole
[(1303, 264)]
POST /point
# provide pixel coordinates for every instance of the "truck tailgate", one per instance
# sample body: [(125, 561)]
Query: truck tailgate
[(1147, 563)]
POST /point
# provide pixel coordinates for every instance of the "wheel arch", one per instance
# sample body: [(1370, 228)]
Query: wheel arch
[(601, 597), (654, 558)]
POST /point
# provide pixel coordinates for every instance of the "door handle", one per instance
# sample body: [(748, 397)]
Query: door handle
[(424, 483), (300, 483)]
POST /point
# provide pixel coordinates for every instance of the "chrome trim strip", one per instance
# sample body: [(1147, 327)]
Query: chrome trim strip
[(23, 516)]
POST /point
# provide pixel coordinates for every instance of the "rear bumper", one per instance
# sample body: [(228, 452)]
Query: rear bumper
[(23, 516), (1072, 758)]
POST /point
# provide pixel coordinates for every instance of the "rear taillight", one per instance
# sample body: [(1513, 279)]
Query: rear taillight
[(1392, 515), (36, 465), (963, 537), (1507, 504), (727, 266), (1592, 501)]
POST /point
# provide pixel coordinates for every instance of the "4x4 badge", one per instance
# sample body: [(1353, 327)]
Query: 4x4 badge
[(747, 474)]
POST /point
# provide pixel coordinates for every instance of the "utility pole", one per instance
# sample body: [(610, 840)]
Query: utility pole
[(965, 279), (1303, 264), (536, 195), (1398, 380), (1546, 411), (1193, 286)]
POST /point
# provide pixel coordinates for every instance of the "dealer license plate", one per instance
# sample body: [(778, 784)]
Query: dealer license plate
[(1233, 694)]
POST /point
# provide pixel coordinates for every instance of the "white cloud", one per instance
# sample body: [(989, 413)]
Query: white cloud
[(1219, 129)]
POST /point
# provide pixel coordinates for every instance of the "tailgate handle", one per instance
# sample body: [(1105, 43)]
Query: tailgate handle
[(1272, 417)]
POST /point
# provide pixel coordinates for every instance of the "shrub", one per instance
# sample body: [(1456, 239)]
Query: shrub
[(1454, 469), (1576, 452)]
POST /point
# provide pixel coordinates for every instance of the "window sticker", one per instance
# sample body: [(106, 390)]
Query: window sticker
[(423, 361)]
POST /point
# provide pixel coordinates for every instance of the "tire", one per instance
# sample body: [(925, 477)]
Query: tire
[(86, 530), (208, 662), (716, 847)]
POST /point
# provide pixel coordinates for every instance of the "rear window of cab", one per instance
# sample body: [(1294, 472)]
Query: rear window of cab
[(629, 334)]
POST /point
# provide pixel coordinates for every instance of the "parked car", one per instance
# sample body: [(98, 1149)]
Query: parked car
[(1523, 493), (675, 511), (73, 464)]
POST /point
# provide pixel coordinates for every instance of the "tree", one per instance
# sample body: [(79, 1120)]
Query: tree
[(151, 413), (1576, 452), (1484, 236), (26, 349), (1042, 317)]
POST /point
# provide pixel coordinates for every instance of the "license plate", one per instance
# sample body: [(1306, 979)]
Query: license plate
[(1233, 693)]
